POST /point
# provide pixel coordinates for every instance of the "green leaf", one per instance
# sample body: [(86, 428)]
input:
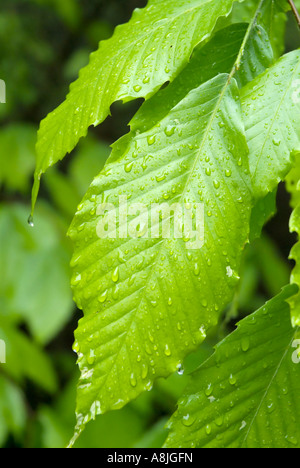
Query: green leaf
[(148, 302), (246, 394), (139, 58), (271, 108)]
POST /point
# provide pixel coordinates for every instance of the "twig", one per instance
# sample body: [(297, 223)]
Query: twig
[(295, 11)]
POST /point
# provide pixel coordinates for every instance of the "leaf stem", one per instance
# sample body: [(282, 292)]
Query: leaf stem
[(295, 11)]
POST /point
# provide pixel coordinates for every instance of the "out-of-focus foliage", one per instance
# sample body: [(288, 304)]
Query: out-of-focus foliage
[(44, 43)]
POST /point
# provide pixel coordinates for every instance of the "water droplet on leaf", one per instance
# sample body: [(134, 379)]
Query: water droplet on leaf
[(128, 167), (232, 379), (151, 139), (188, 420), (115, 275)]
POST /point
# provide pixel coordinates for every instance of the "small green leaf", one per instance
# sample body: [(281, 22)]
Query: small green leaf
[(246, 394)]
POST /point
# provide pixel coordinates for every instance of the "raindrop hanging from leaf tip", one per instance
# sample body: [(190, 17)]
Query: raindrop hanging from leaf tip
[(30, 221)]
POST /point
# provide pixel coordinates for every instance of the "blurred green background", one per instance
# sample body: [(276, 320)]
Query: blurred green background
[(44, 43)]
